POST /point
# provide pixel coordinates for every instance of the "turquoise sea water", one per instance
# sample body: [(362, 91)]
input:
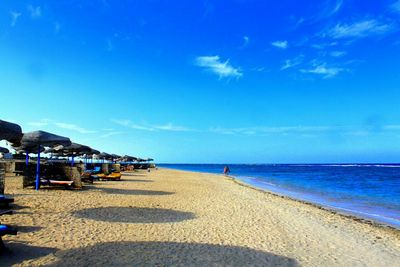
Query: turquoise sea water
[(370, 191)]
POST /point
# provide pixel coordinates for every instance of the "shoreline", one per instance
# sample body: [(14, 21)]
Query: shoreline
[(334, 210)]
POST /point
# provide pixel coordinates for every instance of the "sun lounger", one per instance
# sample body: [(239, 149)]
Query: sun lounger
[(87, 177), (113, 176), (5, 230), (5, 201), (57, 183)]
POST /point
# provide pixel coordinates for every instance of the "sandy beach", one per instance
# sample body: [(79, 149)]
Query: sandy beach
[(169, 217)]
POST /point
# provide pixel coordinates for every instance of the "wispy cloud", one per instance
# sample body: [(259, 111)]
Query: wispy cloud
[(130, 124), (14, 17), (395, 6), (290, 63), (324, 71), (151, 128), (73, 127), (171, 127), (338, 53), (360, 29), (246, 41), (214, 65), (111, 133), (280, 44), (305, 131), (109, 45), (40, 123), (57, 27), (36, 12), (337, 6)]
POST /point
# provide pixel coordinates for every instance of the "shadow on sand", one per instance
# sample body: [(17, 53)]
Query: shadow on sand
[(168, 254), (27, 229), (18, 252), (134, 192), (132, 174), (134, 215), (137, 180)]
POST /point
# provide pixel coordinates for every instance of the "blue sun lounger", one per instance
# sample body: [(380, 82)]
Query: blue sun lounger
[(5, 230)]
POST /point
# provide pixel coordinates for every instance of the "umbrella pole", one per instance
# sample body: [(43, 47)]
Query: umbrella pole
[(27, 158), (38, 170), (85, 162), (72, 161)]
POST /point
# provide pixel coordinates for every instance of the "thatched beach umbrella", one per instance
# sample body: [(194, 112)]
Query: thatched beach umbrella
[(74, 150), (11, 132), (41, 139), (114, 157), (90, 155), (104, 156), (127, 158), (27, 149)]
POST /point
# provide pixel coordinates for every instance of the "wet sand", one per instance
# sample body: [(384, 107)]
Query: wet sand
[(170, 217)]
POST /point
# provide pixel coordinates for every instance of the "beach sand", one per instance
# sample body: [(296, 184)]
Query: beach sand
[(169, 217)]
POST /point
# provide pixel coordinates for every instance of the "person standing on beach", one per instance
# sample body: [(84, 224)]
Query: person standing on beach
[(226, 170)]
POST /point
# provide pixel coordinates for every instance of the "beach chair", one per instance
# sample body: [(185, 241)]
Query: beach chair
[(90, 175), (116, 176), (5, 201), (5, 230), (87, 177), (66, 184)]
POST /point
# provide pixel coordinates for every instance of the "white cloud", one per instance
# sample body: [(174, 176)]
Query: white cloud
[(359, 29), (14, 17), (303, 131), (338, 53), (40, 123), (57, 27), (73, 127), (109, 45), (171, 127), (322, 69), (151, 128), (337, 7), (290, 63), (280, 44), (246, 41), (112, 133), (36, 12), (396, 6), (222, 69)]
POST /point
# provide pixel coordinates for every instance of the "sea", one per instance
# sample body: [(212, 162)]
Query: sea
[(369, 191)]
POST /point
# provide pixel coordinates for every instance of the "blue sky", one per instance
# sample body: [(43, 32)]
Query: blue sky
[(208, 81)]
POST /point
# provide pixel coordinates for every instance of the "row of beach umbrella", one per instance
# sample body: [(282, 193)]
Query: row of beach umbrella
[(38, 142)]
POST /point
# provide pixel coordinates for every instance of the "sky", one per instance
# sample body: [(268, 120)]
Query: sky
[(208, 81)]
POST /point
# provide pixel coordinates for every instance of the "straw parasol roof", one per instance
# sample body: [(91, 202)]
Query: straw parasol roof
[(74, 149), (11, 132), (28, 148), (128, 158), (104, 155), (94, 152), (42, 138)]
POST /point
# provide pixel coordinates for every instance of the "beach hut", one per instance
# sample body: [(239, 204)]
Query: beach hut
[(39, 140), (11, 132)]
